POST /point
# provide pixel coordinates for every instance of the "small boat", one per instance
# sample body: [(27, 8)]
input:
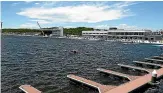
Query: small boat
[(74, 51), (45, 36)]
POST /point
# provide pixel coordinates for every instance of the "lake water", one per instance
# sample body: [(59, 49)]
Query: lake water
[(45, 62)]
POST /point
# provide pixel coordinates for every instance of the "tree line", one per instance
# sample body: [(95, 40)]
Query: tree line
[(66, 31), (76, 31)]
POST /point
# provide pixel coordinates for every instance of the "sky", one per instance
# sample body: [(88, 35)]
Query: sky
[(97, 14)]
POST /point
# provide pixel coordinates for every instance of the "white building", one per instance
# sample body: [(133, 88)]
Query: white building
[(123, 34)]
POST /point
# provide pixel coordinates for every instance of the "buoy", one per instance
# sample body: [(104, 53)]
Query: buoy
[(154, 76)]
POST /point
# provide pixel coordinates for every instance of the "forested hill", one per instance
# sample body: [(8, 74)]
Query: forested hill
[(76, 31)]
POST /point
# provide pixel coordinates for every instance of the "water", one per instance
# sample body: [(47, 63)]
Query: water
[(45, 62)]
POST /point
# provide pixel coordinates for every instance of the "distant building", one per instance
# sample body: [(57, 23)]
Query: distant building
[(114, 33), (54, 31)]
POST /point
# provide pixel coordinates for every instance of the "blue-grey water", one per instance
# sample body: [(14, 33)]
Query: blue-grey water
[(45, 62)]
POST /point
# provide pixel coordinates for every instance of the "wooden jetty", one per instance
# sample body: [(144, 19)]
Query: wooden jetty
[(101, 88), (124, 88), (154, 60), (147, 63), (29, 89), (132, 85), (134, 67), (129, 77), (160, 57)]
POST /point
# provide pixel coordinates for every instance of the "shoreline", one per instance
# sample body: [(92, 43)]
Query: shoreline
[(93, 39)]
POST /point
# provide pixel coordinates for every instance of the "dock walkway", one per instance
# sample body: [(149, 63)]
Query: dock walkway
[(29, 89), (154, 60), (129, 77), (132, 85), (160, 57), (147, 63), (101, 88), (124, 88), (137, 68)]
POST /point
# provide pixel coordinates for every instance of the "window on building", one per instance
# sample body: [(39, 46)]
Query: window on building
[(109, 33), (141, 33), (121, 33), (136, 33)]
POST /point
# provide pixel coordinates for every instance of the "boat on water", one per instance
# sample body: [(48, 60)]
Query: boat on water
[(45, 36)]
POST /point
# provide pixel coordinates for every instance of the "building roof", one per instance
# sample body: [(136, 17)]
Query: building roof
[(117, 31), (94, 31)]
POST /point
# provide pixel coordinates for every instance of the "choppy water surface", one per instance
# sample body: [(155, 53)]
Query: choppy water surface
[(45, 62)]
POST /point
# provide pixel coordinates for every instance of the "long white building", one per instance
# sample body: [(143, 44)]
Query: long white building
[(123, 34)]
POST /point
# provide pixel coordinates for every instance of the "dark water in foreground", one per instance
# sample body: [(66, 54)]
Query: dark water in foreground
[(45, 62)]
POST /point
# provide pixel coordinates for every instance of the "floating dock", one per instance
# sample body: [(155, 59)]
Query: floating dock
[(129, 77), (29, 89), (132, 85), (124, 88), (146, 63), (160, 57), (154, 60), (101, 88), (137, 68)]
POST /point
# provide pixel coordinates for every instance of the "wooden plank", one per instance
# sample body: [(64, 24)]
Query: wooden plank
[(146, 63), (129, 77), (101, 88), (29, 89), (151, 59), (137, 68), (160, 57)]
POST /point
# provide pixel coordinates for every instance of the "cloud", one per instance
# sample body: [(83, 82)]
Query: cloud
[(37, 3), (79, 13), (69, 27), (14, 4), (120, 26), (102, 26), (33, 23), (125, 26), (28, 1), (41, 21), (48, 3), (106, 26), (28, 25)]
